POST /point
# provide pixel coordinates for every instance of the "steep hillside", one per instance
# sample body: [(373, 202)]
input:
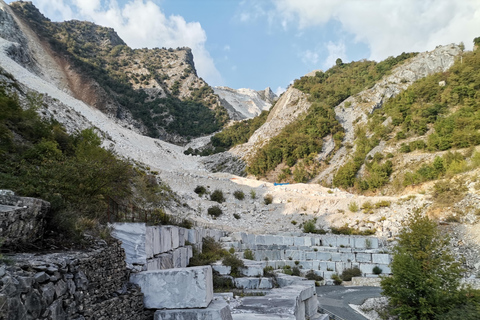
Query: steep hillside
[(153, 91), (245, 103)]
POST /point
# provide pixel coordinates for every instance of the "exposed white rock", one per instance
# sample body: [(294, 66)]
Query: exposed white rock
[(244, 103), (217, 310), (176, 288)]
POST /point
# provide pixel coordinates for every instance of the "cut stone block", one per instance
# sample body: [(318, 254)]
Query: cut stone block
[(252, 270), (221, 269), (217, 310), (381, 258), (329, 241), (336, 256), (161, 262), (181, 236), (363, 257), (324, 256), (343, 241), (176, 288), (132, 236)]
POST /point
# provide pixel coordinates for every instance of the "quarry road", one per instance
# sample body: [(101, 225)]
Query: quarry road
[(336, 299)]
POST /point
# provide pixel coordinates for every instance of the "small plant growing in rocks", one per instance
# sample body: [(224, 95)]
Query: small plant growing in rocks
[(296, 271), (253, 194), (200, 190), (234, 263), (268, 271), (353, 206), (236, 216), (268, 199), (239, 195), (215, 211), (297, 262), (217, 196), (248, 254), (231, 250), (312, 276), (377, 270), (294, 222)]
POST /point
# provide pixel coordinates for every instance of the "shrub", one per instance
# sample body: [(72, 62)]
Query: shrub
[(248, 254), (268, 271), (349, 273), (297, 262), (309, 227), (294, 222), (217, 196), (236, 216), (312, 276), (211, 251), (231, 250), (377, 270), (353, 206), (215, 211), (200, 190), (336, 279), (367, 207), (234, 263), (295, 271), (253, 194), (268, 199), (239, 195), (382, 204)]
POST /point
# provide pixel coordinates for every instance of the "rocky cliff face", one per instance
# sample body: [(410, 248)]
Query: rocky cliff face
[(354, 110), (291, 105), (245, 103), (143, 89)]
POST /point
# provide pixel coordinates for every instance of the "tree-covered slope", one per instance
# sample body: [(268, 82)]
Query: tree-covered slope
[(159, 88)]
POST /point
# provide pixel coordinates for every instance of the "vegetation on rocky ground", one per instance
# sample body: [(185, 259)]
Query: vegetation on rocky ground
[(304, 137), (98, 53), (426, 277), (71, 171)]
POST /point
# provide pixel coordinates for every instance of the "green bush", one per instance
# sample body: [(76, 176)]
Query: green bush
[(377, 270), (215, 211), (217, 196), (336, 279), (349, 273), (239, 195), (295, 271), (248, 254), (234, 263), (236, 216), (253, 194), (312, 276), (268, 199), (200, 190), (353, 206), (268, 271), (212, 251)]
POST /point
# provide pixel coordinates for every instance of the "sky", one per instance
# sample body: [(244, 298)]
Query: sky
[(269, 43)]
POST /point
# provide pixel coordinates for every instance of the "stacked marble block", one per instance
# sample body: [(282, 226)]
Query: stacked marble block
[(159, 247), (294, 299), (325, 254)]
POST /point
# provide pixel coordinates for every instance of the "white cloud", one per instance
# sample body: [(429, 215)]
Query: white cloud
[(280, 90), (389, 27), (141, 23), (335, 51), (226, 48), (309, 57), (56, 10)]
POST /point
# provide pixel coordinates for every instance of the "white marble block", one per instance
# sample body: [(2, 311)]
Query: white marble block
[(176, 288)]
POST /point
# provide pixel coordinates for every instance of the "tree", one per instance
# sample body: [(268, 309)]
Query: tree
[(426, 277)]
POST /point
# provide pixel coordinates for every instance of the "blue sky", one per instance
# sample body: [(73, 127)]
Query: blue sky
[(255, 44)]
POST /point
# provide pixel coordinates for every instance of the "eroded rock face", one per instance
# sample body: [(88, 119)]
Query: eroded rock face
[(288, 108), (21, 219)]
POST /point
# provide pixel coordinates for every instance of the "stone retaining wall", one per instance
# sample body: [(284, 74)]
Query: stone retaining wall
[(21, 218), (73, 285)]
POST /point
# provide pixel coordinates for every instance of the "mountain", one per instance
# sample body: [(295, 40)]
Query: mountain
[(155, 92), (245, 103), (362, 144)]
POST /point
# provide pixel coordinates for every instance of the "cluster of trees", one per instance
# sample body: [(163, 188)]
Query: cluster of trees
[(451, 110), (426, 276), (326, 90), (71, 171), (239, 132)]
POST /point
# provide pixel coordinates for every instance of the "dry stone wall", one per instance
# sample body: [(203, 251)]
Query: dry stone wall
[(21, 219), (74, 285)]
